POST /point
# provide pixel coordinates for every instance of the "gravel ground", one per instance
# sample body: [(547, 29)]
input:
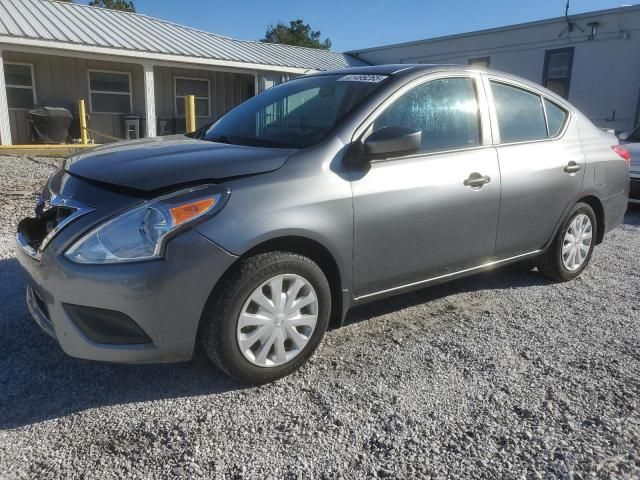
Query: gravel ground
[(500, 375)]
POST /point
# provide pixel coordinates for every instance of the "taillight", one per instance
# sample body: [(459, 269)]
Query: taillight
[(623, 152)]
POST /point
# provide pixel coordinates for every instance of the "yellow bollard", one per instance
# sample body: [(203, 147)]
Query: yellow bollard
[(190, 112), (82, 113)]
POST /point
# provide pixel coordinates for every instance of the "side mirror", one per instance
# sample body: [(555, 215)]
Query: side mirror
[(389, 140), (624, 135)]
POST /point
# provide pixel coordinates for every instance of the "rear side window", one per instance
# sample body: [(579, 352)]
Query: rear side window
[(444, 110), (520, 114), (556, 116)]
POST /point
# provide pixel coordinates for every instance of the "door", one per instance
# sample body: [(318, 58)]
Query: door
[(541, 165), (435, 211)]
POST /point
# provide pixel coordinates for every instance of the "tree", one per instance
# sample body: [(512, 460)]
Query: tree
[(297, 33), (125, 5)]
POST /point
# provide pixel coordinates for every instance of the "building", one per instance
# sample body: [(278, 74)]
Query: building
[(55, 53), (592, 59)]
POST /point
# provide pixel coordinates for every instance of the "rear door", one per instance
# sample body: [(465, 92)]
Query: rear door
[(541, 164), (418, 216)]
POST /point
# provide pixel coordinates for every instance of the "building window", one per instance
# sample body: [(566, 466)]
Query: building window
[(556, 75), (21, 90), (110, 92), (480, 62), (199, 87)]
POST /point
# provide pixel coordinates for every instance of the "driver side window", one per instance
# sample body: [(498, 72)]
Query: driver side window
[(445, 111)]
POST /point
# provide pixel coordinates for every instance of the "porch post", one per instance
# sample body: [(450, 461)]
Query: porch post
[(5, 128), (149, 100)]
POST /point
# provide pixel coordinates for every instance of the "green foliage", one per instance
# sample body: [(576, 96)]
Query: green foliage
[(125, 5), (297, 33)]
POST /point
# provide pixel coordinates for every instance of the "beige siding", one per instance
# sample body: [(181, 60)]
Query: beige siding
[(226, 90), (62, 81)]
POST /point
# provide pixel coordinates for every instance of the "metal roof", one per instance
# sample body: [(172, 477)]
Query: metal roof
[(76, 24)]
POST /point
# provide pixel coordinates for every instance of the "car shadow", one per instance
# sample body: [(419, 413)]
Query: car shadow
[(39, 382)]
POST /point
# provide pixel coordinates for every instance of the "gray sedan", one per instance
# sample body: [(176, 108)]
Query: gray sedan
[(254, 235), (631, 142)]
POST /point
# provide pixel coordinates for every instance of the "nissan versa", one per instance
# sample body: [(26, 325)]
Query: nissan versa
[(255, 234)]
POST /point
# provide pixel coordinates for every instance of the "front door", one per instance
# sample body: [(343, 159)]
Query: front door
[(433, 212)]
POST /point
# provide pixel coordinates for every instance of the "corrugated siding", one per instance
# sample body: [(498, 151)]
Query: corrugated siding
[(62, 81), (226, 90), (80, 24)]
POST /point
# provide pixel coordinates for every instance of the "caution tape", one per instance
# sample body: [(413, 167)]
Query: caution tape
[(110, 137)]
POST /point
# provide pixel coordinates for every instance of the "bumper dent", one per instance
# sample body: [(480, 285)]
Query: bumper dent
[(164, 298)]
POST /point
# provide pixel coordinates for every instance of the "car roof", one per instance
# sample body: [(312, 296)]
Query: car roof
[(407, 69), (389, 69)]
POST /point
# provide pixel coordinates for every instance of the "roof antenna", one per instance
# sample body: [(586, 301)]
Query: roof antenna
[(570, 25)]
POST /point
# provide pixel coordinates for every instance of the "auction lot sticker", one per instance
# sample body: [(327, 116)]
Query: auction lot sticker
[(362, 78)]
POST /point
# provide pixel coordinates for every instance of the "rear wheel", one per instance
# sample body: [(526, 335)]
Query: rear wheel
[(267, 318), (571, 250)]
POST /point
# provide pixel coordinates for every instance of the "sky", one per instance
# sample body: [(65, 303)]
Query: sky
[(355, 24)]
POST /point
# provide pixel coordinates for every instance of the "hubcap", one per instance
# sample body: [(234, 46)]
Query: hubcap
[(577, 242), (277, 320)]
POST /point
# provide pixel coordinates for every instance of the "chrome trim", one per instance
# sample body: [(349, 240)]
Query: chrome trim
[(42, 206), (440, 277), (634, 201)]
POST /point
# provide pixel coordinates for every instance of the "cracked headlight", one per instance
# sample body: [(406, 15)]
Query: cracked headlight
[(140, 233)]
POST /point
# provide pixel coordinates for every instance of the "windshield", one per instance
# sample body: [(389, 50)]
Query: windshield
[(296, 114), (634, 136)]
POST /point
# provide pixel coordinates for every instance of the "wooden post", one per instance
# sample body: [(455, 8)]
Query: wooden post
[(190, 112), (82, 113)]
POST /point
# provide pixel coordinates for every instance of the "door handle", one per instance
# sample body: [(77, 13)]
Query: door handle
[(572, 167), (476, 180)]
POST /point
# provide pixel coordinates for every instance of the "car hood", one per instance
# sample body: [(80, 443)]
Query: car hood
[(160, 162)]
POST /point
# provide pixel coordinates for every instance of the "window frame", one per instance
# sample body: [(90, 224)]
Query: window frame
[(545, 68), (495, 124), (365, 128), (24, 87), (105, 92), (176, 96)]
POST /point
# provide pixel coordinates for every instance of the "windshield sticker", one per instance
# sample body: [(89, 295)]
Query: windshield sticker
[(362, 78)]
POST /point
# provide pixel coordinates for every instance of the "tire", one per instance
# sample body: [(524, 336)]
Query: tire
[(221, 333), (551, 263)]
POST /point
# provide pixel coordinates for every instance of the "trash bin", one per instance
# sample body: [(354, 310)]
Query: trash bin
[(50, 124), (166, 126), (131, 125)]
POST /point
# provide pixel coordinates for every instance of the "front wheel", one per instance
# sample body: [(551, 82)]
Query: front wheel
[(571, 250), (267, 317)]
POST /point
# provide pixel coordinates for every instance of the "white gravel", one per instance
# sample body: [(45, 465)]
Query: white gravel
[(500, 375)]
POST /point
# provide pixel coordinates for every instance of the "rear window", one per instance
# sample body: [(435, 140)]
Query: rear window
[(520, 114), (556, 117)]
